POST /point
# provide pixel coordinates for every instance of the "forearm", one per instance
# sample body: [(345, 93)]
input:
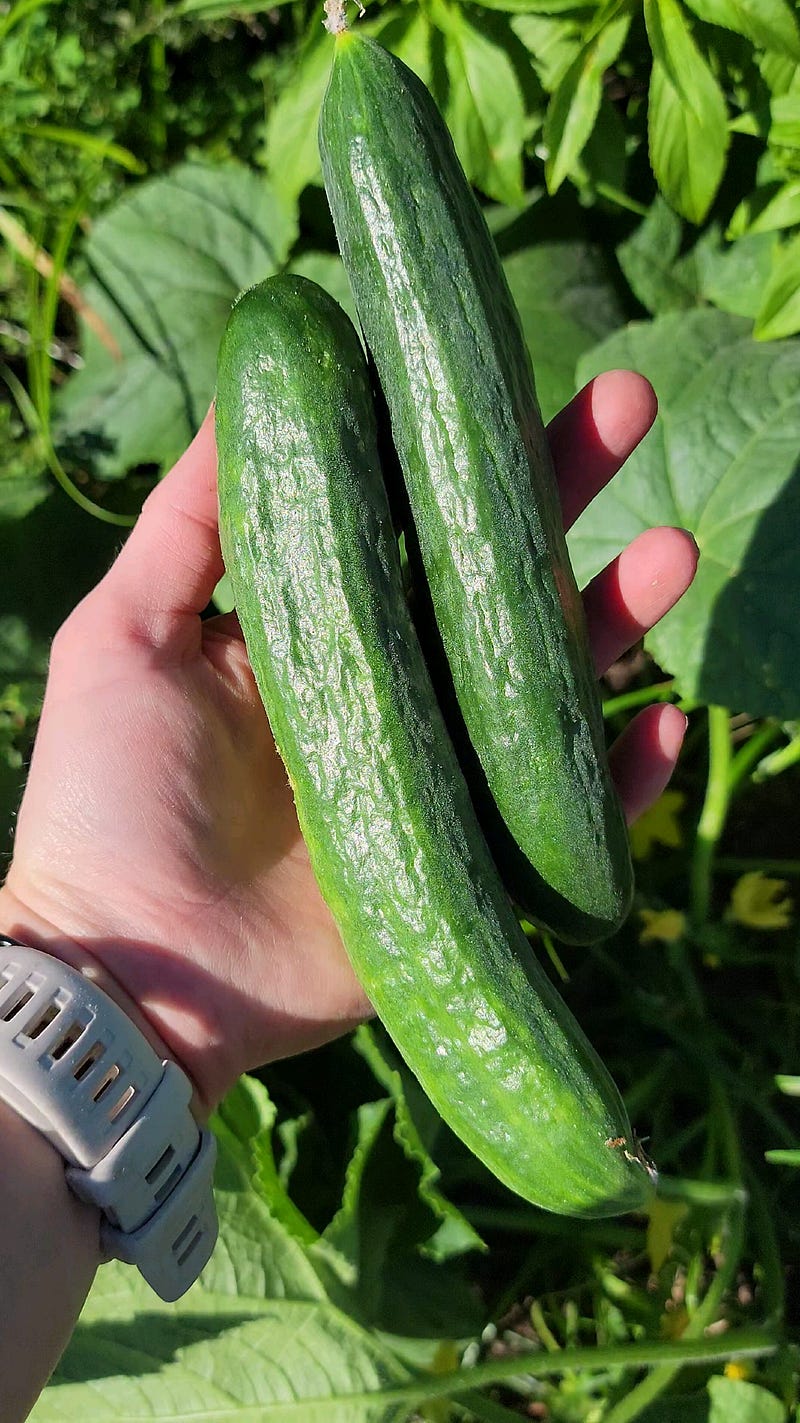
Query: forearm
[(49, 1251)]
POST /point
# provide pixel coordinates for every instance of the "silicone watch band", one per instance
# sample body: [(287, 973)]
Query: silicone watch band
[(76, 1067)]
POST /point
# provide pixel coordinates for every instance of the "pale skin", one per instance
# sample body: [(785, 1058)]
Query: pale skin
[(157, 845)]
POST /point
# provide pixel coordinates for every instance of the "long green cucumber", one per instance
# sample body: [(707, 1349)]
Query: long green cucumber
[(440, 323), (382, 804)]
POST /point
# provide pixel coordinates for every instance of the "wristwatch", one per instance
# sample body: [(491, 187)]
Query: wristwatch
[(74, 1065)]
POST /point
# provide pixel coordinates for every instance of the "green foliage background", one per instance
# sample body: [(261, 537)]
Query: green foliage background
[(640, 165)]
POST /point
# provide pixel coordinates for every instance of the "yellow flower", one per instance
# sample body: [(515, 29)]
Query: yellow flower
[(658, 826), (663, 926), (736, 1370), (756, 902)]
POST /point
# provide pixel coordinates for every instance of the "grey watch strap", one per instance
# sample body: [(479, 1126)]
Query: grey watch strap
[(74, 1065)]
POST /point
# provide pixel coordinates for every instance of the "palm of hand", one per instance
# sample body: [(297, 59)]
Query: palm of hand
[(158, 830)]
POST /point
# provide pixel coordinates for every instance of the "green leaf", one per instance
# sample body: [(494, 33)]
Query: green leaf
[(221, 9), (783, 1156), (446, 1231), (649, 257), (779, 313), (212, 1356), (722, 462), (291, 152), (768, 209), (573, 108), (408, 34), (770, 24), (553, 42), (687, 119), (733, 277), (485, 107), (777, 70), (737, 1401), (167, 262), (567, 301), (784, 130), (386, 1230), (542, 7)]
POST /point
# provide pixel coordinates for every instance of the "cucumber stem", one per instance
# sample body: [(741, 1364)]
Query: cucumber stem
[(335, 20)]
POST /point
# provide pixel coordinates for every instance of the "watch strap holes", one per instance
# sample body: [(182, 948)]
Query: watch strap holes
[(163, 1161), (168, 1185), (88, 1061), (110, 1077), (180, 1248), (63, 1044), (161, 1192), (17, 1003), (127, 1096), (43, 1019)]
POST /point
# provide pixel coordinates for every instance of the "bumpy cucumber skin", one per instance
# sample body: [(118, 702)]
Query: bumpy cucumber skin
[(382, 804), (441, 326)]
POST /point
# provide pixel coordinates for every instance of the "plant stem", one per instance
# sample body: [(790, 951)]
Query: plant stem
[(642, 697), (750, 753), (739, 1343), (740, 864), (779, 760), (712, 816)]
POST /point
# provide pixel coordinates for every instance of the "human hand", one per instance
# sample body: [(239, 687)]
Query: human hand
[(157, 840)]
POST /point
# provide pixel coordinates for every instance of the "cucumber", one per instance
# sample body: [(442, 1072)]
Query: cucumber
[(382, 804), (441, 326)]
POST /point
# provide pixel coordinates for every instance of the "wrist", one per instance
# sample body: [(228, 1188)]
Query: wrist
[(20, 922), (49, 1253)]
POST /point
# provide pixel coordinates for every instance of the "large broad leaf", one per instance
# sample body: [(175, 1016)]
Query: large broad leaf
[(687, 118), (734, 277), (722, 460), (567, 301), (211, 1356), (256, 1331), (167, 262)]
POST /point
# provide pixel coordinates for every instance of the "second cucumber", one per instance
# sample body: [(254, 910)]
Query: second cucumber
[(440, 323)]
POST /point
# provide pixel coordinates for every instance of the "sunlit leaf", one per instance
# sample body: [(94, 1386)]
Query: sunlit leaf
[(687, 114), (768, 23), (573, 108)]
